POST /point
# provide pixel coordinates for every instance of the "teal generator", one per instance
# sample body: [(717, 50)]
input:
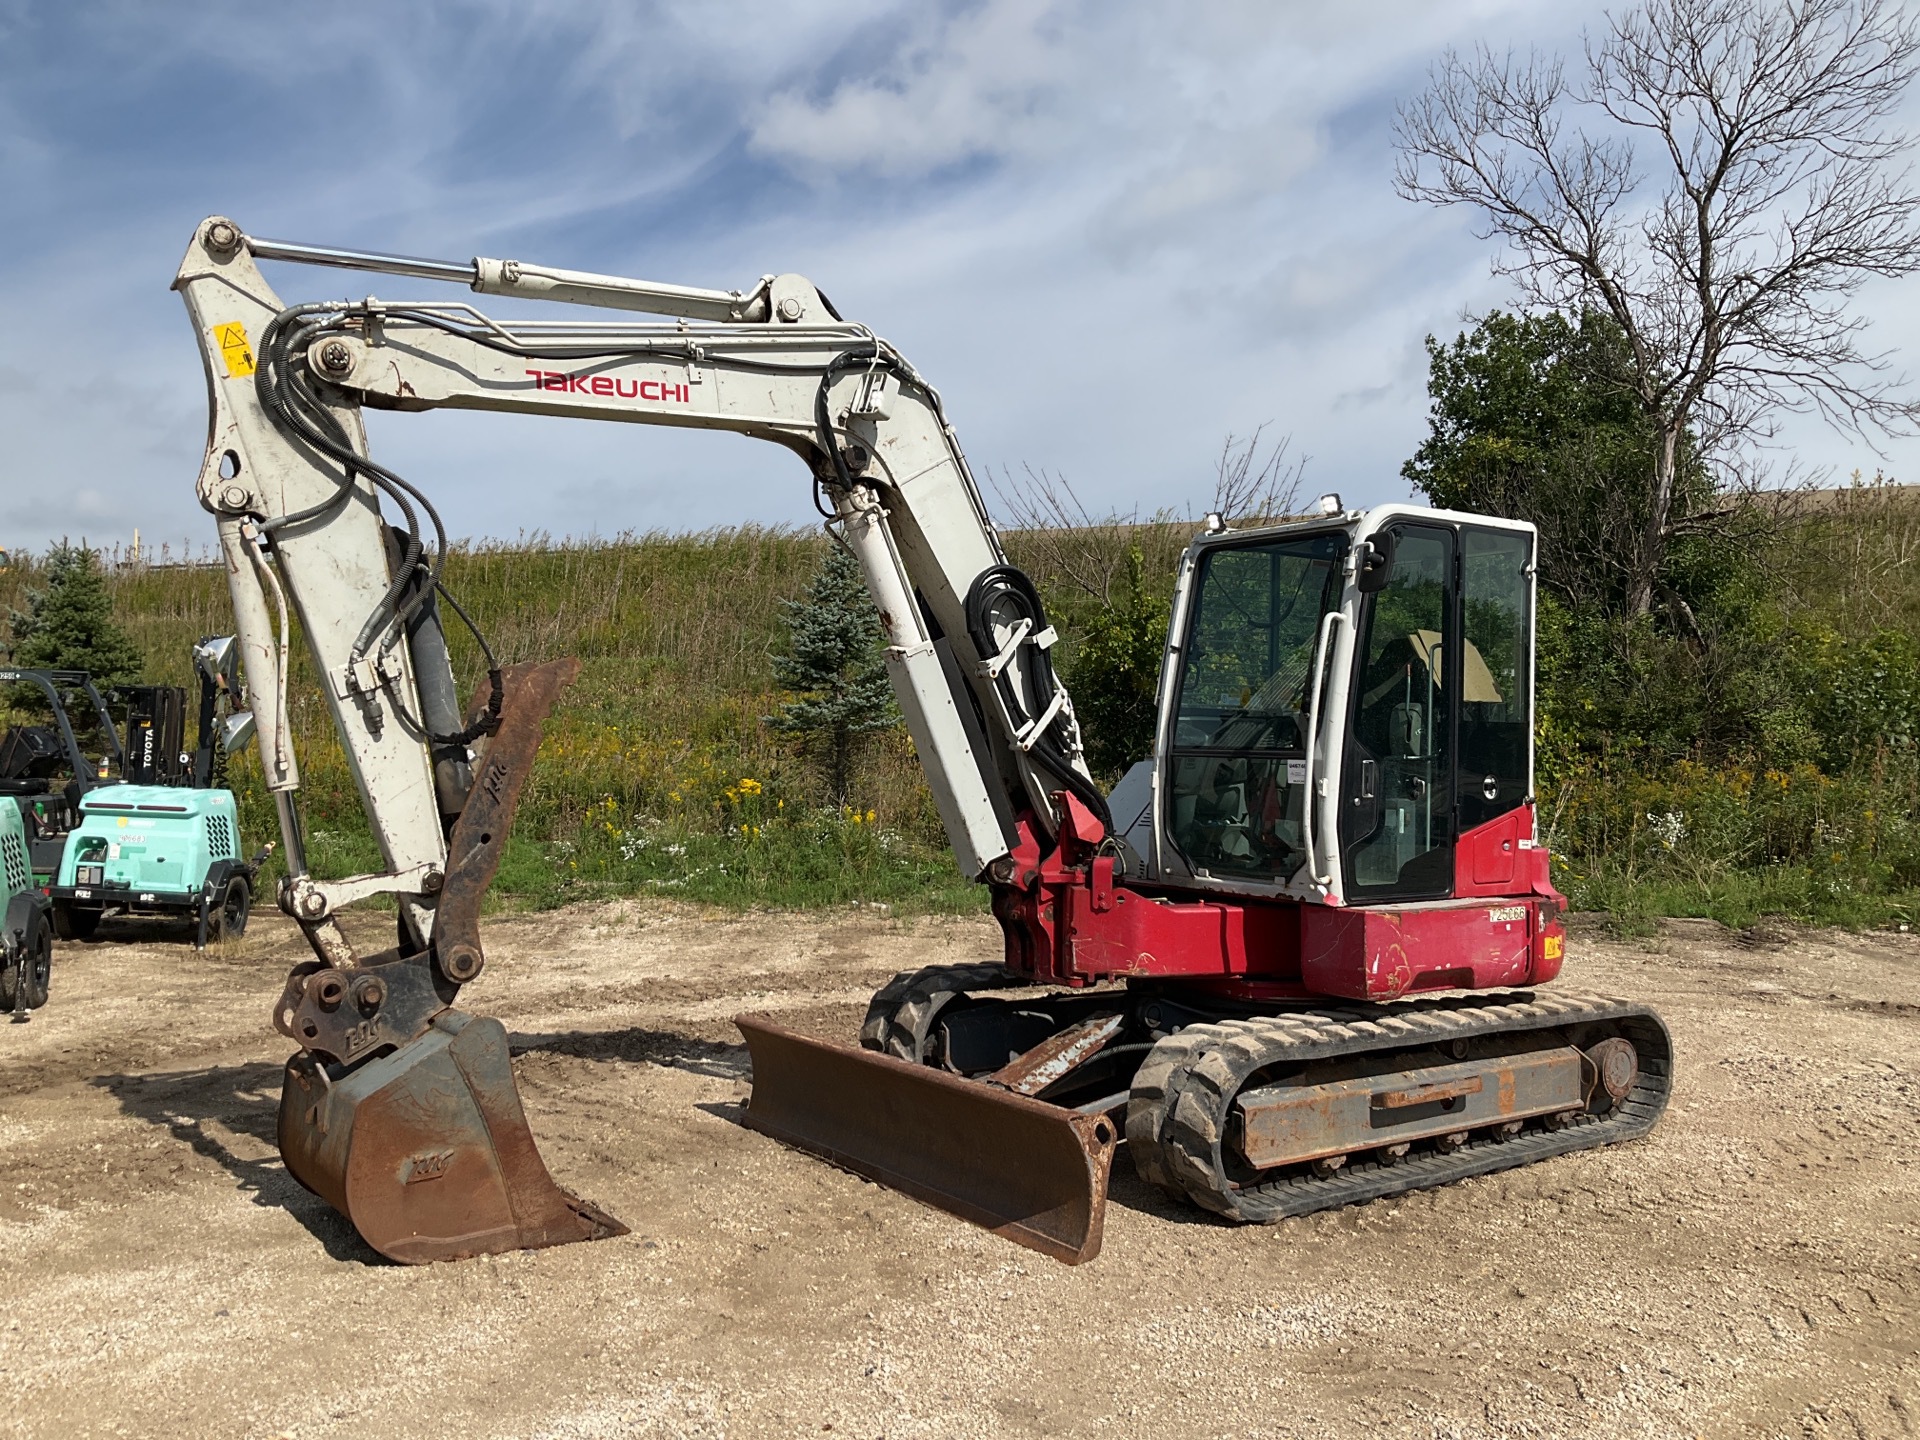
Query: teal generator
[(154, 850)]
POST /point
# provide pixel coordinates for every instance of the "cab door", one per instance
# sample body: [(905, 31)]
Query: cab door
[(1440, 730), (1496, 686), (1397, 824)]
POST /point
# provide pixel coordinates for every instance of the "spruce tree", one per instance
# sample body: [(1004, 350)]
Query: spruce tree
[(836, 668), (70, 626)]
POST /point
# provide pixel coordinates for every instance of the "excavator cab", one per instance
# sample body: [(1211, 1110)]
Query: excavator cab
[(1384, 662)]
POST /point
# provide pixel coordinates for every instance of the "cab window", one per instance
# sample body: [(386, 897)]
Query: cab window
[(1237, 764), (1397, 819)]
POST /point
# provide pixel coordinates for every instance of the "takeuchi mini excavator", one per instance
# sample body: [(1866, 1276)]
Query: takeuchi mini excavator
[(1292, 960)]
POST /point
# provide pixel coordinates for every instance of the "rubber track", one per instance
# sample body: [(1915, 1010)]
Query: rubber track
[(901, 1011), (1185, 1089)]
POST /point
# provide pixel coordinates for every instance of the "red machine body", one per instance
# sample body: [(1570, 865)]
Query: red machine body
[(1069, 921)]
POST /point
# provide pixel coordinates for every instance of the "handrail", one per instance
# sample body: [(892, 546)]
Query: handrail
[(1313, 746)]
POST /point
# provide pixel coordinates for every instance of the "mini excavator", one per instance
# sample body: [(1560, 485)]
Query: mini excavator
[(1292, 960)]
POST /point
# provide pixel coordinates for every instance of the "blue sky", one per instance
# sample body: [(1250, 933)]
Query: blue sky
[(1111, 233)]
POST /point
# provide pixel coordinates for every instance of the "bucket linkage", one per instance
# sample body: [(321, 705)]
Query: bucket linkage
[(400, 1111)]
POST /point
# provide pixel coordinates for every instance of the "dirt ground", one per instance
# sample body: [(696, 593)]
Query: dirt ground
[(1750, 1269)]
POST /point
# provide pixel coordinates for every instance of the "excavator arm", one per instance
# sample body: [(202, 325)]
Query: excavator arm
[(393, 1088)]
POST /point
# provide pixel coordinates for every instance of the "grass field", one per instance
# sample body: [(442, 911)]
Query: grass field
[(658, 774)]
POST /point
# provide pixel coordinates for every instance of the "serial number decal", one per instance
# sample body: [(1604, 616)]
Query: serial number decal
[(359, 1036), (430, 1166), (609, 385), (1500, 913)]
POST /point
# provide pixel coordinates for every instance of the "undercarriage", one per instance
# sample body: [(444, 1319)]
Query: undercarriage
[(1254, 1111)]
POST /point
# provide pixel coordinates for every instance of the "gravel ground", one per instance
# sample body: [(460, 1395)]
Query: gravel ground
[(1749, 1269)]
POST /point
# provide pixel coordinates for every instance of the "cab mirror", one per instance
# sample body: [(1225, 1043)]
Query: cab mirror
[(1376, 563)]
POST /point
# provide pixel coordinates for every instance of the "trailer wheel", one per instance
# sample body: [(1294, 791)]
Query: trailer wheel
[(36, 964), (76, 922), (229, 920)]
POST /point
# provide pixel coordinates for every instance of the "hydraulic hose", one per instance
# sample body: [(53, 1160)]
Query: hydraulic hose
[(1003, 593), (297, 411)]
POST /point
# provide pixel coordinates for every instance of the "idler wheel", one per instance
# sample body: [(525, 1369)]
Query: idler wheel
[(1616, 1066)]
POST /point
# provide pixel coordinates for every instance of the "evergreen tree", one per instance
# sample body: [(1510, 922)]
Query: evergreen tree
[(835, 665), (70, 626)]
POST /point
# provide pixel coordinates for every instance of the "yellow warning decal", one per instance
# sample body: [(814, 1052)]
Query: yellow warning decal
[(235, 348), (1552, 947)]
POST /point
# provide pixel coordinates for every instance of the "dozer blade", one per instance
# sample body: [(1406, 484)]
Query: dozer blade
[(1028, 1171), (427, 1151)]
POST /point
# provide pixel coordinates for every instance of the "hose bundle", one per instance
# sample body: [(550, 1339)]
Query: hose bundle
[(1002, 596)]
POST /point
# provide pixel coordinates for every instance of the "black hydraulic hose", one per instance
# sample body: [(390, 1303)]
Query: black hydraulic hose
[(298, 412), (870, 354), (1006, 591)]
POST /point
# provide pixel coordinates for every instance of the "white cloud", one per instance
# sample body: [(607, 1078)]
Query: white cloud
[(981, 83), (1110, 232)]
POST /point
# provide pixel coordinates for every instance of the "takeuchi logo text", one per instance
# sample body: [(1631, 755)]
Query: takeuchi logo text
[(609, 385)]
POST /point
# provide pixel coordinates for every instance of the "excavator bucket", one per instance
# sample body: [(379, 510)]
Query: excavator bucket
[(427, 1151), (1031, 1172)]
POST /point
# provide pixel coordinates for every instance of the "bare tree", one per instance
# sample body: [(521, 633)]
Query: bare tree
[(1779, 196), (1253, 482), (1252, 487), (1067, 542)]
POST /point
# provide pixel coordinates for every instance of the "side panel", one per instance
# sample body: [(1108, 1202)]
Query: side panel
[(1383, 954), (1140, 937), (16, 870), (1498, 858)]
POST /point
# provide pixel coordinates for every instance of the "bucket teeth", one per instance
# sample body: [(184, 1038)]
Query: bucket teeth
[(426, 1150), (1031, 1172)]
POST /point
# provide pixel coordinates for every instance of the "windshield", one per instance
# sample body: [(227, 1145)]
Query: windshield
[(1239, 742)]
